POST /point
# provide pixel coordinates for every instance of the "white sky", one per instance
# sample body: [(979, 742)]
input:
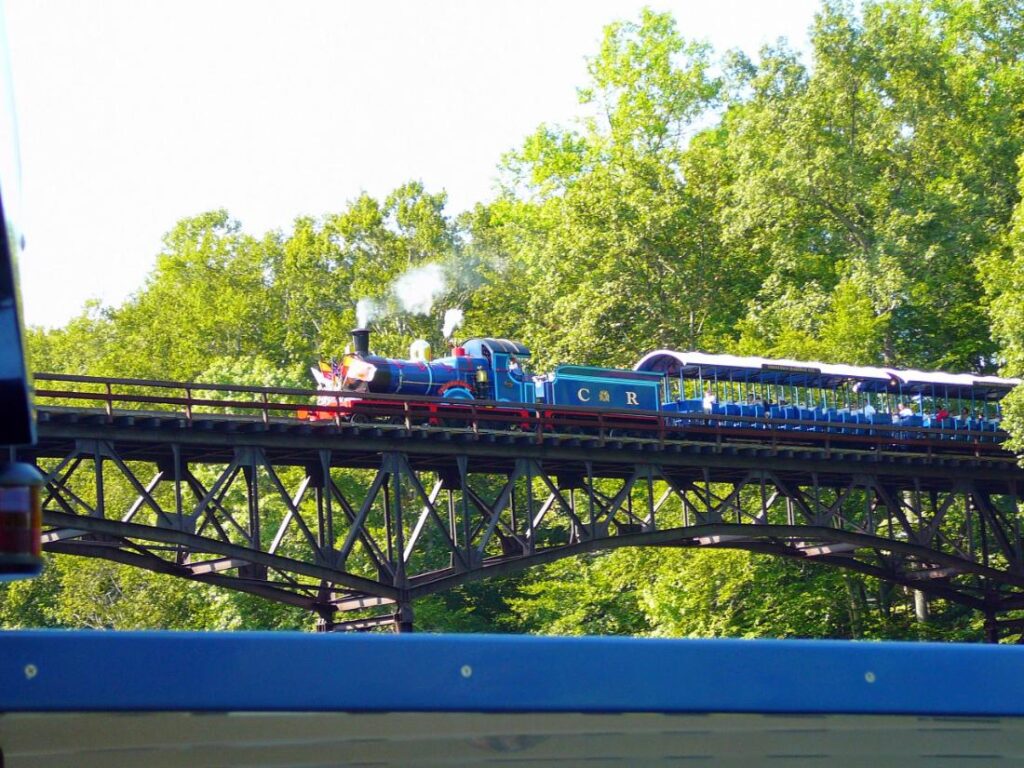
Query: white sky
[(134, 114)]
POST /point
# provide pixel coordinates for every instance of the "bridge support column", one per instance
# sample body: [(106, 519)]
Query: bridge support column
[(991, 628), (404, 618), (921, 611)]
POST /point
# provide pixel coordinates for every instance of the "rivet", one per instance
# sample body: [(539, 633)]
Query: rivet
[(869, 676), (466, 671), (30, 671)]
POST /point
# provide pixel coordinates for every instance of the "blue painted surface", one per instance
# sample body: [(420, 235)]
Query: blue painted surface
[(291, 671), (603, 388), (510, 383), (410, 377)]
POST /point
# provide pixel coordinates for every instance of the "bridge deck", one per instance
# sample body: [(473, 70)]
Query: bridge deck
[(212, 438)]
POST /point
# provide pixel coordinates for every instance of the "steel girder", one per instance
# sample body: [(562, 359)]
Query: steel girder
[(361, 522)]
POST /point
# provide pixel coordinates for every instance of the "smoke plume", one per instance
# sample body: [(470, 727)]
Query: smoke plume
[(452, 321), (417, 288)]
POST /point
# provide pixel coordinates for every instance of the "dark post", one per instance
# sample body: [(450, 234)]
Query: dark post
[(991, 628), (403, 618), (361, 341)]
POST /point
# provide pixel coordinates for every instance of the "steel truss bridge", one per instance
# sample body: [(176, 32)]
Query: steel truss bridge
[(226, 485)]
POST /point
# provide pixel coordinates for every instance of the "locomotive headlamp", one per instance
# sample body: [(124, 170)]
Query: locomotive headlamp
[(20, 521)]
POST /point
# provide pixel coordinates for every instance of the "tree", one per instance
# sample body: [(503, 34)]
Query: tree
[(883, 171), (613, 225), (1004, 280)]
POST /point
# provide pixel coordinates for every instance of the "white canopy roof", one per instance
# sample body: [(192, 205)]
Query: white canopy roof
[(812, 373)]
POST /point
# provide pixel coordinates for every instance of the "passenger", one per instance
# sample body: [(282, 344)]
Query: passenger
[(965, 414), (709, 400), (869, 409), (904, 410), (750, 399), (942, 413), (514, 369)]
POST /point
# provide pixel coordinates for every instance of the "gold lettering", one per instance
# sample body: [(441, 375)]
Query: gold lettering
[(583, 394), (604, 396), (631, 398)]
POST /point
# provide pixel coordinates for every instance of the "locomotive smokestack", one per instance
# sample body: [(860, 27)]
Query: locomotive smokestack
[(361, 341)]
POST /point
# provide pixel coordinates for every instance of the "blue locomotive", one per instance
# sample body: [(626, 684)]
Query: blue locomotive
[(492, 370)]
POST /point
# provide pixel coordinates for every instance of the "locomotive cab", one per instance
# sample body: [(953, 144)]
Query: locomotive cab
[(506, 379)]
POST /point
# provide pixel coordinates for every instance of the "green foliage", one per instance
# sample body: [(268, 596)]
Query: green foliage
[(1013, 421), (885, 168), (474, 607), (720, 593), (614, 225), (586, 595), (1003, 269)]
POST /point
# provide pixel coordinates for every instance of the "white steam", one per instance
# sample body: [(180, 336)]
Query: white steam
[(367, 310), (414, 291), (417, 288), (452, 321)]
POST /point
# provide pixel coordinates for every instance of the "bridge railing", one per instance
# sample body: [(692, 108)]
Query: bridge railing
[(192, 401)]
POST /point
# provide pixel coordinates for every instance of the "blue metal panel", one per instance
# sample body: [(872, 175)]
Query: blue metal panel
[(590, 371), (258, 671), (606, 388), (511, 384)]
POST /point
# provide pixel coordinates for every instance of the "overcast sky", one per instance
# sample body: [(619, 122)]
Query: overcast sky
[(134, 114)]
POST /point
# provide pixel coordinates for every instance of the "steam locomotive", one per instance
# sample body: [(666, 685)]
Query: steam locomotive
[(482, 369)]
